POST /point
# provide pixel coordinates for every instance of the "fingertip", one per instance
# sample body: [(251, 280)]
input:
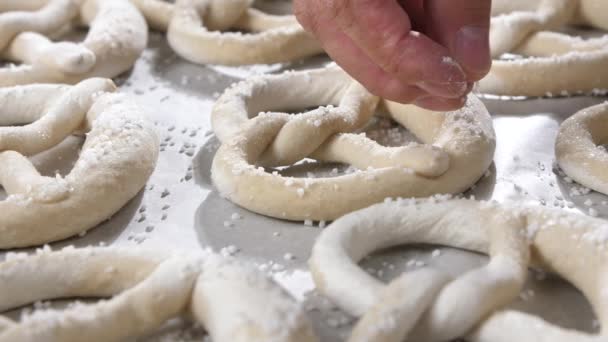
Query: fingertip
[(463, 27), (440, 104), (424, 63), (396, 91), (472, 50), (451, 90)]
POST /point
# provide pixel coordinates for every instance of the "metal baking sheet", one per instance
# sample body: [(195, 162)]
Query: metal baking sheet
[(180, 210)]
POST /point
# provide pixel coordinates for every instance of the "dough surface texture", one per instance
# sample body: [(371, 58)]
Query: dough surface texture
[(115, 162), (233, 301), (554, 63), (426, 305), (117, 35), (197, 31), (251, 121), (578, 148)]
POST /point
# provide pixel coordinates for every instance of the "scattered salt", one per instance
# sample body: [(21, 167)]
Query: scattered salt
[(593, 212), (229, 250)]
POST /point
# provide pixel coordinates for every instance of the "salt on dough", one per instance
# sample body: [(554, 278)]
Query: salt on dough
[(426, 305), (588, 12), (578, 149), (556, 62), (194, 30), (456, 149), (233, 301), (116, 38), (510, 29), (116, 160)]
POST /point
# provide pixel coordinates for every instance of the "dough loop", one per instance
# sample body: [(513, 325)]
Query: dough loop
[(556, 63), (426, 305), (194, 30), (578, 148), (118, 156), (116, 38), (234, 302), (456, 150)]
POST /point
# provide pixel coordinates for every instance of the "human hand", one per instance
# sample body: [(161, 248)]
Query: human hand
[(427, 52)]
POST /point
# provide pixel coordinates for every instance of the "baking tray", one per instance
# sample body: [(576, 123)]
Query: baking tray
[(180, 210)]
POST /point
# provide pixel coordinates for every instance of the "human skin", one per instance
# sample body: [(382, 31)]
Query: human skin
[(426, 52)]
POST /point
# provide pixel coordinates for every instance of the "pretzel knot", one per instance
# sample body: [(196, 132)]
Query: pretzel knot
[(116, 38), (117, 157), (578, 149), (557, 62), (456, 149), (194, 30), (233, 301), (426, 305)]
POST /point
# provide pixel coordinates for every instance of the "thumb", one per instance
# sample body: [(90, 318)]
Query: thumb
[(463, 27)]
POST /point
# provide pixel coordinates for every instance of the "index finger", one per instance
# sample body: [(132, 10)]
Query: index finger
[(463, 27), (383, 31)]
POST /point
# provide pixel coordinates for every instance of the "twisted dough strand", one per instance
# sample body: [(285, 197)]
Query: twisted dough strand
[(556, 63), (118, 156), (233, 301), (507, 31), (46, 20), (570, 245), (456, 149), (116, 38), (196, 31)]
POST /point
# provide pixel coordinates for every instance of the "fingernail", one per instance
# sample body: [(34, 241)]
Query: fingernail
[(444, 89), (472, 50)]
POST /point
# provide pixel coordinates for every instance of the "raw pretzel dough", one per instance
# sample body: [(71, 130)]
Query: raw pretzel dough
[(509, 30), (577, 151), (193, 32), (233, 302), (588, 12), (456, 150), (428, 306), (116, 38), (558, 63), (593, 13), (117, 158)]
